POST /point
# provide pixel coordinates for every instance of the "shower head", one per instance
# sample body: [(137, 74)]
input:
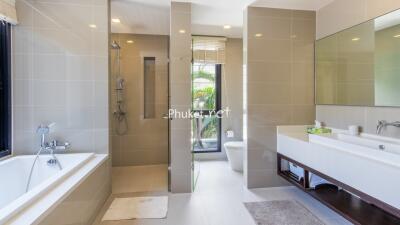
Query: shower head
[(115, 45)]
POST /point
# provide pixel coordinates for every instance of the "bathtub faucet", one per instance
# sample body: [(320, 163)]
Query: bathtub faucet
[(43, 131)]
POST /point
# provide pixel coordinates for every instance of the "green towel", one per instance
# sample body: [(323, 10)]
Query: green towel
[(313, 130)]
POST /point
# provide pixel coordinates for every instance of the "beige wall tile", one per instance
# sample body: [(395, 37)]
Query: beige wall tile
[(302, 114), (280, 85), (303, 14), (262, 159), (303, 73), (260, 137), (260, 49), (180, 50), (56, 59), (303, 29), (303, 94), (268, 115), (265, 93), (338, 15), (377, 8), (271, 72), (265, 178), (146, 140), (280, 27), (303, 51), (268, 12)]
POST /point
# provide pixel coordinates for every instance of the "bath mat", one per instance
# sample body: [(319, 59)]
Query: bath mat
[(137, 208), (281, 212)]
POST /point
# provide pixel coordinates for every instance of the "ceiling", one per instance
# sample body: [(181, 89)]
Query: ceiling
[(208, 16)]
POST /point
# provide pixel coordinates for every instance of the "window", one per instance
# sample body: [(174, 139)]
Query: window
[(5, 89), (206, 101)]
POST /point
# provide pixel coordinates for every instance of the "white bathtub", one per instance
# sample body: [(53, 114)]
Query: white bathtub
[(14, 176)]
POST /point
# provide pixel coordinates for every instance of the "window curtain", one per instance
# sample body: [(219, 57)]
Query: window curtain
[(8, 12), (5, 88), (208, 50)]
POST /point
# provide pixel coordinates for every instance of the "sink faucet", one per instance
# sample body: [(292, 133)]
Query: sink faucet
[(384, 123)]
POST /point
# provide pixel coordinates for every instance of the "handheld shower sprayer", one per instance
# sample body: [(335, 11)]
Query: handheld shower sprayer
[(121, 123)]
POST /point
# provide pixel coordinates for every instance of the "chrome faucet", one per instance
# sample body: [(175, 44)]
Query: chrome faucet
[(44, 130), (51, 146), (384, 123)]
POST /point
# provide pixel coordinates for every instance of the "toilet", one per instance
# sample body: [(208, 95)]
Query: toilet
[(234, 151)]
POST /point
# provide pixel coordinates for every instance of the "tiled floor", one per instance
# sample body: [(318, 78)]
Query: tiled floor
[(218, 200), (129, 179)]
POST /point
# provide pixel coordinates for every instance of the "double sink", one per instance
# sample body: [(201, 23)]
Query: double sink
[(368, 163)]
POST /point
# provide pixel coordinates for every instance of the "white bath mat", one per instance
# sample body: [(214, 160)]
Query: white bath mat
[(137, 208)]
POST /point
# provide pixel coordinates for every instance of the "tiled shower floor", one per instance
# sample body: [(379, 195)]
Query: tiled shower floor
[(129, 179)]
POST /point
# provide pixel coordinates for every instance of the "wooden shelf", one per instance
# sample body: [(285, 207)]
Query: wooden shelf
[(355, 209), (352, 207), (289, 176)]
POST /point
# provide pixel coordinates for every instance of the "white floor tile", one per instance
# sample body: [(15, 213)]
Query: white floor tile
[(217, 200)]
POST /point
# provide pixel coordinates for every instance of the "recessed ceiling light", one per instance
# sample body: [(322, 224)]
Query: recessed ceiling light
[(227, 27), (397, 36), (258, 35), (356, 39), (182, 31), (92, 26), (130, 41), (116, 20)]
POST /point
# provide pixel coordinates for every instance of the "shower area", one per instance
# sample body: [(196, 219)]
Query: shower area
[(139, 101)]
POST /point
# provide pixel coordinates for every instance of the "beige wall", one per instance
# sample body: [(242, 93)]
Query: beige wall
[(232, 96), (146, 141), (60, 74), (339, 15), (180, 96), (279, 84), (83, 204)]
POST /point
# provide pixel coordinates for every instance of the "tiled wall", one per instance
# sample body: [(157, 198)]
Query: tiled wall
[(279, 84), (180, 96), (232, 96), (83, 204), (339, 15), (60, 74), (146, 140)]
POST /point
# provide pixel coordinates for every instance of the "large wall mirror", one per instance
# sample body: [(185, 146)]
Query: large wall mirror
[(360, 65)]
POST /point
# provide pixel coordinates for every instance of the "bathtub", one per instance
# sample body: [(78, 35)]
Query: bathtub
[(14, 200)]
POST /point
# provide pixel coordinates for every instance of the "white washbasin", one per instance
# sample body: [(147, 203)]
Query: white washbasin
[(376, 143), (355, 161), (385, 150)]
